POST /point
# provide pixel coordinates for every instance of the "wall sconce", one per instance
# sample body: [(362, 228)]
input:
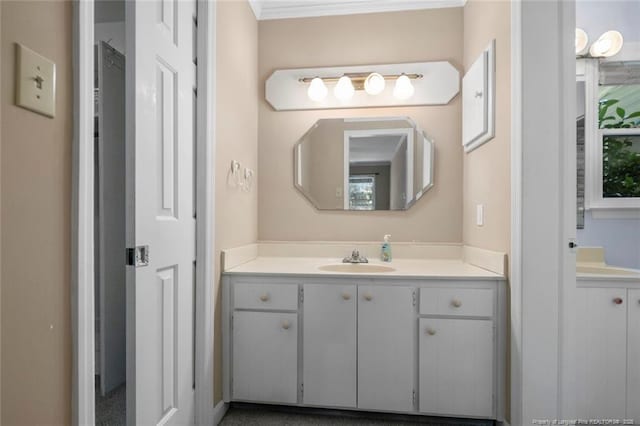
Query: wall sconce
[(608, 44), (382, 85)]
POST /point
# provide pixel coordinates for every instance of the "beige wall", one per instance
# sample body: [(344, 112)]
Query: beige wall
[(236, 139), (487, 171), (352, 40), (35, 220)]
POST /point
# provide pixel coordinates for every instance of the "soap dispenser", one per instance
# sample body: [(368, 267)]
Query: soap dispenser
[(386, 249)]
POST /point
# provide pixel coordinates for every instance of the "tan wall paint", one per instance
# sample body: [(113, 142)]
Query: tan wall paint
[(35, 197), (354, 40), (236, 139), (487, 170)]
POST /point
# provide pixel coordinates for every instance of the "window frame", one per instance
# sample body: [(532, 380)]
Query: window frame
[(600, 207)]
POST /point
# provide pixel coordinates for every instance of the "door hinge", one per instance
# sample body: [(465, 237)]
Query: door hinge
[(413, 296), (301, 295), (413, 399), (301, 390), (137, 256)]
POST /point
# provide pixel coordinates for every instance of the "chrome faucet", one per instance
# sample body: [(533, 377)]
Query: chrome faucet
[(355, 258)]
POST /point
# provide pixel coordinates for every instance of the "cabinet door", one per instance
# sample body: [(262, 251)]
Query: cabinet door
[(386, 348), (633, 365), (456, 367), (329, 345), (600, 354), (265, 357)]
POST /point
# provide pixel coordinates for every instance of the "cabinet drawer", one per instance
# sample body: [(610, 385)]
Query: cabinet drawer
[(265, 296), (457, 301)]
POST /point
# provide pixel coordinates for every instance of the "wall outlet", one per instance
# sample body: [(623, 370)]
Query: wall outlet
[(480, 215)]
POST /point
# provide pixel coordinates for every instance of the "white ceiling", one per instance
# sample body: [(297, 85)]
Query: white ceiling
[(374, 149), (278, 9)]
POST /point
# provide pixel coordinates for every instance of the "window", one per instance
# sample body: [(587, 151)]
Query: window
[(619, 121), (612, 138), (362, 192)]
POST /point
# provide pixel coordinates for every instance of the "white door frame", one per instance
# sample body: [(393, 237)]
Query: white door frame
[(542, 203), (82, 241), (408, 134)]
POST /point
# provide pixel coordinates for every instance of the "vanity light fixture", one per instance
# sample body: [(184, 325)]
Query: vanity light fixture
[(403, 89), (582, 41), (317, 90), (608, 44), (344, 89), (373, 83), (362, 86)]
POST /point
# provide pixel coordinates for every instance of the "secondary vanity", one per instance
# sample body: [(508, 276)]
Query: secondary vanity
[(606, 326), (424, 334)]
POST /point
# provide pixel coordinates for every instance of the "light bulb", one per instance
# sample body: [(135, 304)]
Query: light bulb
[(403, 89), (374, 84), (581, 41), (607, 45), (344, 89), (317, 90)]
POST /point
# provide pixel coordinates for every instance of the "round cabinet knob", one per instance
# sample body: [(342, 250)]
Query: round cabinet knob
[(368, 296), (430, 331), (346, 296), (617, 301), (456, 303), (286, 324), (264, 297)]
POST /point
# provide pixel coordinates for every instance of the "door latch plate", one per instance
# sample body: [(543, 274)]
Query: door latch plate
[(137, 256)]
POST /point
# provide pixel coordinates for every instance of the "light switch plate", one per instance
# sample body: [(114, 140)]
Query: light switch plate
[(35, 82)]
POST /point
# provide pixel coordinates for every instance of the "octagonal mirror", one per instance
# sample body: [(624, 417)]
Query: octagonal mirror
[(364, 164)]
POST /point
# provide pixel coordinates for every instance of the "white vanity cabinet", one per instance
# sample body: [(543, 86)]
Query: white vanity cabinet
[(265, 342), (412, 346), (456, 349), (601, 355), (329, 345), (606, 356), (386, 348), (633, 355)]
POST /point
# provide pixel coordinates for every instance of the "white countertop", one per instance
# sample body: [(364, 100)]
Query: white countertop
[(404, 268)]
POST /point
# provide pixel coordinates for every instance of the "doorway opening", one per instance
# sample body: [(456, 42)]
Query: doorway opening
[(110, 213), (122, 374)]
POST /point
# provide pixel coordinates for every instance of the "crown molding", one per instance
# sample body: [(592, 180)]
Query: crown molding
[(266, 10), (256, 7)]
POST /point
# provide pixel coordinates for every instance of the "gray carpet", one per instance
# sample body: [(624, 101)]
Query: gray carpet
[(111, 409), (265, 415)]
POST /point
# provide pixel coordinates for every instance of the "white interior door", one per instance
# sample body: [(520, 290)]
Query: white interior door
[(111, 214), (160, 160)]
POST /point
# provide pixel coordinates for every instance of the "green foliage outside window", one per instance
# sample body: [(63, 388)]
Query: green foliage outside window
[(620, 161)]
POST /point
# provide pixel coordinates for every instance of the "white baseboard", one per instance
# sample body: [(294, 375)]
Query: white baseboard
[(219, 411)]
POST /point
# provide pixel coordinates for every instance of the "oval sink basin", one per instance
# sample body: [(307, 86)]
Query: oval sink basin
[(356, 268), (605, 270)]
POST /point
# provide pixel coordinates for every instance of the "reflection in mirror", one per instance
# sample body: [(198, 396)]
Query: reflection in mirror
[(364, 164)]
